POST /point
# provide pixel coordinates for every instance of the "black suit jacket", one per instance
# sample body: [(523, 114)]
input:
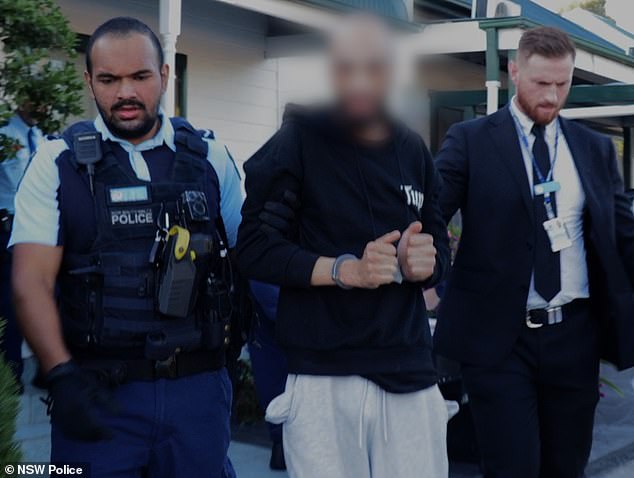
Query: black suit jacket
[(484, 176)]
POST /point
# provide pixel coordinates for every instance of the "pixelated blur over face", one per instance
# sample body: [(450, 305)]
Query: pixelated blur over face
[(543, 85), (127, 83), (362, 68)]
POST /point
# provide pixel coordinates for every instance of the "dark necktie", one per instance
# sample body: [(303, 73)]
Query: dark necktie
[(32, 141), (547, 262)]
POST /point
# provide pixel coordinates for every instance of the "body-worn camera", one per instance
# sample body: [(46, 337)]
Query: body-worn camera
[(193, 205)]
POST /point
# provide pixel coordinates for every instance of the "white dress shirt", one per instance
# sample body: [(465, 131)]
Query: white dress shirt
[(570, 206)]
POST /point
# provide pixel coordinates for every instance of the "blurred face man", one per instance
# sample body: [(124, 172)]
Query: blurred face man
[(542, 81), (361, 67), (26, 113), (127, 81)]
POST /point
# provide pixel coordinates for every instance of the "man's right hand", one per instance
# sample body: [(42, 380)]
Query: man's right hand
[(74, 398), (378, 266)]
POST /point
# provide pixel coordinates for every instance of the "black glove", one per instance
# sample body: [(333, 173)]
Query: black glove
[(74, 396), (279, 216)]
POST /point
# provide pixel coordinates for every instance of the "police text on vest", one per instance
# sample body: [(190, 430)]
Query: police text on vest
[(131, 217)]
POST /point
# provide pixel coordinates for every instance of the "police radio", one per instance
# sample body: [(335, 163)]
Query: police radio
[(87, 149)]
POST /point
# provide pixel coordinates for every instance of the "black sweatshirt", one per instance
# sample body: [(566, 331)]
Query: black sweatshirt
[(350, 195)]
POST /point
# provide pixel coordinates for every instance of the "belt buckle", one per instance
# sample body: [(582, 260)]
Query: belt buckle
[(166, 368), (530, 324), (555, 315)]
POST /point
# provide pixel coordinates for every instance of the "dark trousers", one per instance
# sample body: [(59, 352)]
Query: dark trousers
[(534, 412), (270, 368), (11, 343), (169, 428)]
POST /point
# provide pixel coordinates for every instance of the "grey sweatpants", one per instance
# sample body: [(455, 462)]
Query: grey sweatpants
[(348, 427)]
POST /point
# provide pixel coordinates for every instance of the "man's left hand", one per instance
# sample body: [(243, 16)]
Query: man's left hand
[(280, 216), (416, 253)]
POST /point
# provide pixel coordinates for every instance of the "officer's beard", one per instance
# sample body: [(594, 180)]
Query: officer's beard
[(533, 112), (129, 129)]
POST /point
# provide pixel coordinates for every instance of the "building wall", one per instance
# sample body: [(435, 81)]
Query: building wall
[(231, 86), (446, 73)]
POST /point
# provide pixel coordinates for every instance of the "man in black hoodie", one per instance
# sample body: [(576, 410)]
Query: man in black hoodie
[(365, 239)]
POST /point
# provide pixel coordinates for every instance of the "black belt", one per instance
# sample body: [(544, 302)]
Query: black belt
[(6, 221), (178, 365), (537, 318)]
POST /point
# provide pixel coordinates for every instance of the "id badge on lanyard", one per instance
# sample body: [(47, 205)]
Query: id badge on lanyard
[(554, 226)]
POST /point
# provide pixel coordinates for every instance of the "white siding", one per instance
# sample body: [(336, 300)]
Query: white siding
[(302, 80), (231, 86)]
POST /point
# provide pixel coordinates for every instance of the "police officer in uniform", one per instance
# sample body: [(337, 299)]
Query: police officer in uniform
[(127, 221)]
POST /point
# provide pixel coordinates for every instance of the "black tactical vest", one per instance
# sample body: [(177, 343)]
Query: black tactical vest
[(109, 294)]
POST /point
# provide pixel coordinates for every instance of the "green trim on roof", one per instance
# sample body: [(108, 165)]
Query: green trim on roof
[(617, 93), (580, 95), (523, 22)]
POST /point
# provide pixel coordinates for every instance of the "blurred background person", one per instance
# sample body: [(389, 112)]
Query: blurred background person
[(23, 129)]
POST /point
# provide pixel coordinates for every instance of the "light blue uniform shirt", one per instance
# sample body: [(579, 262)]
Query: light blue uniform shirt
[(12, 169), (37, 209)]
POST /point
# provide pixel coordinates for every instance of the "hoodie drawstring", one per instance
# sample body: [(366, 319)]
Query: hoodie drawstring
[(384, 412), (380, 407), (366, 194), (361, 410)]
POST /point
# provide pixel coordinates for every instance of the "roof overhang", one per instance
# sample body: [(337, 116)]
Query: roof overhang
[(523, 23), (469, 36), (609, 105), (444, 38), (317, 14), (599, 112), (291, 11)]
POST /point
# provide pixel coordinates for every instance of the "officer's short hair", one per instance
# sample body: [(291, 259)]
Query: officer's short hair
[(122, 26), (548, 42)]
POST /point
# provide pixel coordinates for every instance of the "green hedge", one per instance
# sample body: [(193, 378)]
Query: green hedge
[(9, 403)]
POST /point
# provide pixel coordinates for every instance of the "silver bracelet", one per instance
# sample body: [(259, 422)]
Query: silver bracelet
[(336, 269)]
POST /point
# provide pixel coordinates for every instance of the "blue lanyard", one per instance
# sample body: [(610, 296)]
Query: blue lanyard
[(527, 147), (548, 203)]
